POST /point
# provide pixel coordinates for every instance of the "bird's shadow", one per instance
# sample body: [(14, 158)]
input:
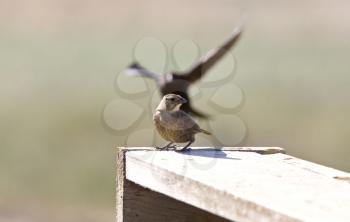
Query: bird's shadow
[(207, 152)]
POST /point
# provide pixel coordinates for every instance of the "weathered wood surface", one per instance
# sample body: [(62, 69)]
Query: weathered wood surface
[(144, 205), (244, 186), (138, 204)]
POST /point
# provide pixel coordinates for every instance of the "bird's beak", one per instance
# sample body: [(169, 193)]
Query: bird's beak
[(183, 100)]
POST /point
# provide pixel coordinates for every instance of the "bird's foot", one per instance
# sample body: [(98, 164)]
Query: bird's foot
[(172, 147), (167, 147), (187, 147), (184, 149)]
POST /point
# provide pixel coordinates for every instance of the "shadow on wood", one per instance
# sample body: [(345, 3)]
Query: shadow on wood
[(238, 184)]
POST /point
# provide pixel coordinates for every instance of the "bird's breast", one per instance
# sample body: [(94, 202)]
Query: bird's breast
[(161, 117)]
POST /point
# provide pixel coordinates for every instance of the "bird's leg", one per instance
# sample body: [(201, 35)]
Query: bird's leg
[(187, 145), (164, 147)]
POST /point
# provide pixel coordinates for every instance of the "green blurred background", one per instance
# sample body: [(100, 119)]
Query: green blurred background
[(59, 60)]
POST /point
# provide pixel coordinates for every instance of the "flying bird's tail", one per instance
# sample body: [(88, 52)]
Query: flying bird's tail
[(205, 132)]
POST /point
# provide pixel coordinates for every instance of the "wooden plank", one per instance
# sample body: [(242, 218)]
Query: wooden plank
[(138, 204), (244, 186), (121, 183), (313, 167)]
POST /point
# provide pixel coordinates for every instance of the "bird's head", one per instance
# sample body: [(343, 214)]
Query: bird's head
[(171, 102)]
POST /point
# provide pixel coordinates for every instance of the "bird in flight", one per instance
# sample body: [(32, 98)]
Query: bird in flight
[(179, 82)]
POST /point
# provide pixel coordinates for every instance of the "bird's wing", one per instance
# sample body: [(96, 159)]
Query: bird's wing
[(208, 60), (182, 121), (137, 70)]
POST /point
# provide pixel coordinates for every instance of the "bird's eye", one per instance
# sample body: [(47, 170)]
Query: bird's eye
[(170, 99)]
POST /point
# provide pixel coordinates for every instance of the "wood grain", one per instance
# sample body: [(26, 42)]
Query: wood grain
[(138, 204), (244, 186)]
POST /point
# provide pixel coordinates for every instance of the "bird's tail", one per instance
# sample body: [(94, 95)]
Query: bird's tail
[(205, 132)]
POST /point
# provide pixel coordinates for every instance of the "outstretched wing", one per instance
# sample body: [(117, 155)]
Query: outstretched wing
[(136, 69), (208, 60)]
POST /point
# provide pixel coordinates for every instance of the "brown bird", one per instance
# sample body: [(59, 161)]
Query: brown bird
[(173, 124), (178, 82)]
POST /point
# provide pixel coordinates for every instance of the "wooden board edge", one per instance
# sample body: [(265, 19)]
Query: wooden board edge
[(120, 180), (260, 150)]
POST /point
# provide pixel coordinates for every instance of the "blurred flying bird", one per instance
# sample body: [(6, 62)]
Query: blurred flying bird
[(178, 82), (173, 124)]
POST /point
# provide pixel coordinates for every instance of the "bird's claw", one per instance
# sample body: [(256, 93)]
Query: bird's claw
[(184, 149), (161, 148), (172, 147), (166, 147)]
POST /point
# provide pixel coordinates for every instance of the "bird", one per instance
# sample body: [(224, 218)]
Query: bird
[(179, 82), (173, 124)]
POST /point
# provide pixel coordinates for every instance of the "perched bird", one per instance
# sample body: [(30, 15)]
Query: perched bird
[(178, 82), (173, 124)]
